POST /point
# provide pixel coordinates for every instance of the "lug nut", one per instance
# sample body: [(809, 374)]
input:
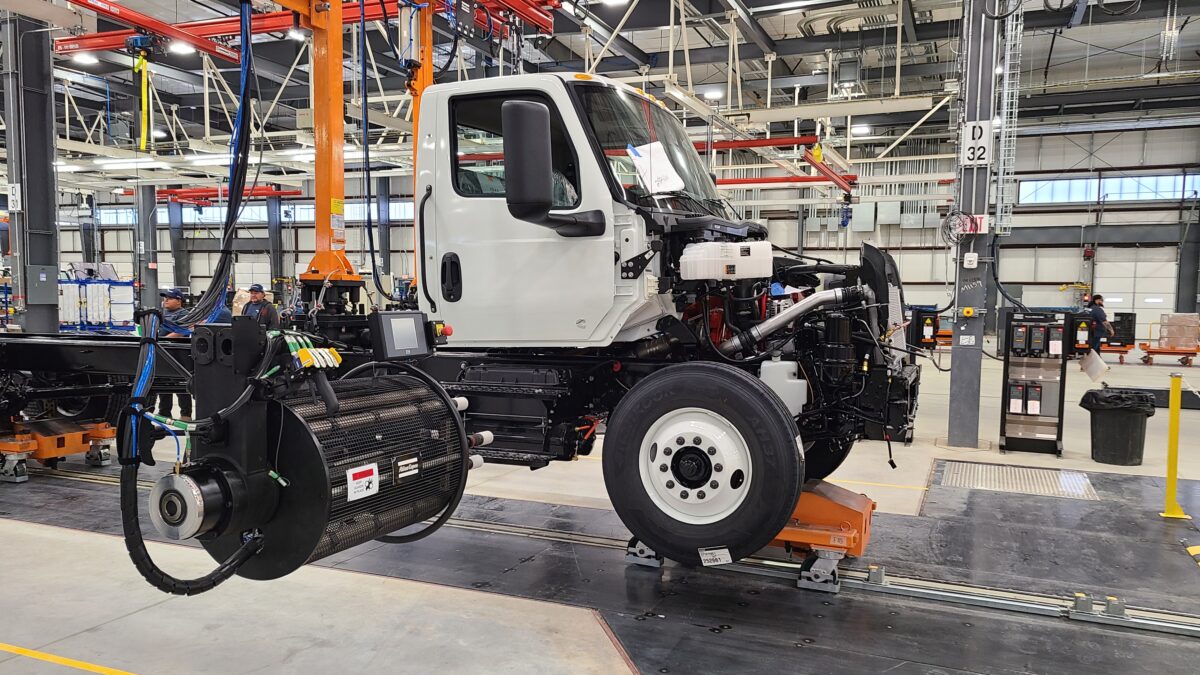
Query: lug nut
[(667, 452), (696, 441), (712, 451), (683, 494), (714, 485), (700, 494), (670, 484), (662, 467), (718, 467), (679, 441)]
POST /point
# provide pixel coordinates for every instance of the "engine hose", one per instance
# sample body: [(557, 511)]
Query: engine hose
[(136, 546), (462, 435), (421, 236)]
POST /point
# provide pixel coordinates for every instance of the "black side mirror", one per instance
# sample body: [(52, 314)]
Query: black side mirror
[(528, 179)]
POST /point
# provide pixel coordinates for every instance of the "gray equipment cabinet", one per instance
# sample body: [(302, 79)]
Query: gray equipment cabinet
[(1035, 372)]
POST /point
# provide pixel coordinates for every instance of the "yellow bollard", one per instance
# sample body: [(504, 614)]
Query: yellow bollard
[(1171, 507)]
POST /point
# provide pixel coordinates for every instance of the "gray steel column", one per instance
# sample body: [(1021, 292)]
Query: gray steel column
[(1187, 286), (89, 232), (26, 76), (978, 46), (383, 197), (275, 244), (145, 243), (179, 254)]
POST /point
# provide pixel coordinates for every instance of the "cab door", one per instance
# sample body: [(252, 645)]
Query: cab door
[(497, 280)]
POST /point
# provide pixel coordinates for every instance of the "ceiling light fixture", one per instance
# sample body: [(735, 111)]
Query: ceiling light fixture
[(860, 130), (714, 95), (85, 58), (181, 47)]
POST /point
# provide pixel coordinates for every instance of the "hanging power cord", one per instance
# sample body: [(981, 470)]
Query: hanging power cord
[(1131, 8), (366, 147), (137, 418), (1013, 8), (453, 19)]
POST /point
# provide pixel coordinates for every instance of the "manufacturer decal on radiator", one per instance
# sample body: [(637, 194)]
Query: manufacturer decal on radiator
[(405, 467), (362, 481)]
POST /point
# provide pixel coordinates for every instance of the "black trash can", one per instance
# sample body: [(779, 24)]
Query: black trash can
[(1118, 424)]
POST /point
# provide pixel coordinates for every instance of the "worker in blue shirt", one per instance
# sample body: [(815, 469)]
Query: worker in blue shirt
[(1100, 327), (260, 309), (172, 311)]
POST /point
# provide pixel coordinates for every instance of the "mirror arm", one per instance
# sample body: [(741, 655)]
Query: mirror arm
[(582, 224)]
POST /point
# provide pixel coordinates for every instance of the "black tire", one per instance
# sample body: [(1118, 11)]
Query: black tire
[(770, 436), (824, 456)]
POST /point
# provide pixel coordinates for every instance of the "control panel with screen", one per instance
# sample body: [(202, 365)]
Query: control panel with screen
[(399, 335)]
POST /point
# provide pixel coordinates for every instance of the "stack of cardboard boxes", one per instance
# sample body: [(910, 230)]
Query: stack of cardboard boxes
[(1179, 331)]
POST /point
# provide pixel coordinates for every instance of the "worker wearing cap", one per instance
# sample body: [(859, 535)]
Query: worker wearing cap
[(261, 310), (173, 311)]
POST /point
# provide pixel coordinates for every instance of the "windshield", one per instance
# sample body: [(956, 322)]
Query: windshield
[(648, 152)]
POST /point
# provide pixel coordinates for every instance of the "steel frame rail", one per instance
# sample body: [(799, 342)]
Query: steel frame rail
[(279, 22), (148, 24)]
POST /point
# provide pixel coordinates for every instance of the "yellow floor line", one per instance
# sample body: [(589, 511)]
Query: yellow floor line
[(886, 485), (61, 660)]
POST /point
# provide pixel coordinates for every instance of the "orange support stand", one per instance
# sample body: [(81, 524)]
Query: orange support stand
[(830, 523), (51, 440)]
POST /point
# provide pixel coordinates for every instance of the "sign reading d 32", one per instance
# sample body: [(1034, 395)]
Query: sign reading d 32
[(975, 144)]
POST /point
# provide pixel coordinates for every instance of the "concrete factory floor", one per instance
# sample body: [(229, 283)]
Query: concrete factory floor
[(532, 576)]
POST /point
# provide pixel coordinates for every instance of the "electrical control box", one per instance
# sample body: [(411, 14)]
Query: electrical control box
[(1019, 343), (1054, 342), (1033, 399), (400, 335), (923, 326), (1035, 371), (1037, 340)]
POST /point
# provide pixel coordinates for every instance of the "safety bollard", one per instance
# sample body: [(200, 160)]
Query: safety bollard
[(1171, 507)]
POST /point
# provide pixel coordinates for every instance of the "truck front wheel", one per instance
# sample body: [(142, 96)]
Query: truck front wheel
[(702, 455)]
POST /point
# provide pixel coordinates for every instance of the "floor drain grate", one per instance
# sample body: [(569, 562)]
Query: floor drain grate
[(1018, 479)]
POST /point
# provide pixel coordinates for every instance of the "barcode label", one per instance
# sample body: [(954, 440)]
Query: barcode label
[(716, 555)]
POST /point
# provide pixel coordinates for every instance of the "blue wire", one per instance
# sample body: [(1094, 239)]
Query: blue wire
[(169, 430)]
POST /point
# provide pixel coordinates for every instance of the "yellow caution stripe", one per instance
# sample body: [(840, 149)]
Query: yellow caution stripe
[(1194, 551), (61, 660)]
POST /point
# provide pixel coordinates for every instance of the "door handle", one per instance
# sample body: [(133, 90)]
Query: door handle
[(451, 277)]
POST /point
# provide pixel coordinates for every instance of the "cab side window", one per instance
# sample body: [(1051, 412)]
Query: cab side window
[(479, 148)]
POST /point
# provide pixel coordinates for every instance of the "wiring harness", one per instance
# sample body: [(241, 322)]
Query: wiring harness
[(138, 421)]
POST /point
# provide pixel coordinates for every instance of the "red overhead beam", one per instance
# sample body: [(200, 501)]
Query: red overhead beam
[(185, 194), (781, 180), (279, 22), (778, 142), (149, 24), (824, 169)]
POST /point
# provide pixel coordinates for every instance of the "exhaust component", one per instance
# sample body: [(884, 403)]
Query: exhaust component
[(746, 340)]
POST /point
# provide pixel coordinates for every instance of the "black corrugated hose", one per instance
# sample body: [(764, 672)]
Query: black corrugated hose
[(132, 458)]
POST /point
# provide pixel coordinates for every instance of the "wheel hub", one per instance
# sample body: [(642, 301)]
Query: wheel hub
[(691, 467), (695, 465)]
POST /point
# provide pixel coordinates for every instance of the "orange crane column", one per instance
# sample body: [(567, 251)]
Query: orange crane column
[(329, 261)]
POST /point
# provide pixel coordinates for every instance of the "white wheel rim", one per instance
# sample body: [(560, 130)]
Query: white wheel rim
[(712, 449)]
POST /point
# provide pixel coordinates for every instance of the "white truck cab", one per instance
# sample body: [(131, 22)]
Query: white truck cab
[(505, 281)]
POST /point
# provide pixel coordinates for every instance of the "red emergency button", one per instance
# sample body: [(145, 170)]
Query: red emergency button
[(444, 330)]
